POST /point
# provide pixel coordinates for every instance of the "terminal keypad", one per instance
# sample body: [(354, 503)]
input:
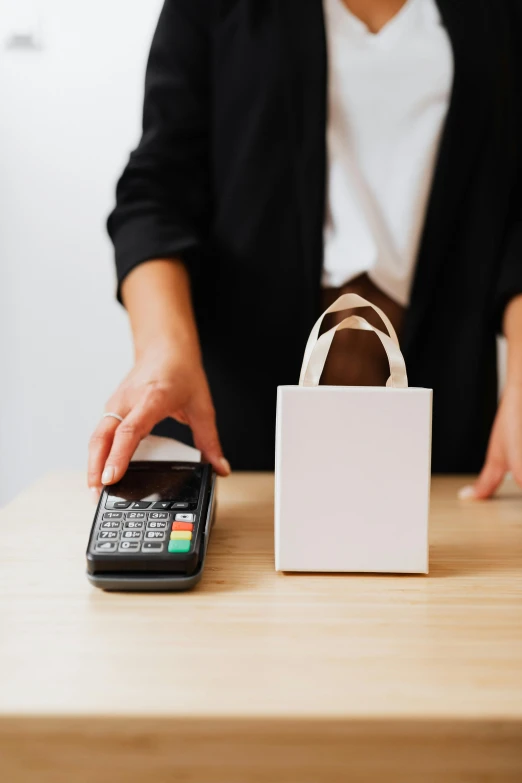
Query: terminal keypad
[(154, 531)]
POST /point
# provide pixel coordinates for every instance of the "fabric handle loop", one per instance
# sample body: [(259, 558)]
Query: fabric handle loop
[(344, 302), (313, 367)]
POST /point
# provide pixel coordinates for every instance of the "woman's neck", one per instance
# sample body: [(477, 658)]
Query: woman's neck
[(374, 13)]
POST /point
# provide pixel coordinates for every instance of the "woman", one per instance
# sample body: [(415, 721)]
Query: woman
[(294, 149)]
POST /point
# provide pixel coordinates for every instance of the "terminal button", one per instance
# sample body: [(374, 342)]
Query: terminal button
[(132, 534), (152, 546), (134, 525), (183, 526), (106, 546), (179, 546), (154, 524), (157, 534), (110, 524), (180, 535), (129, 546)]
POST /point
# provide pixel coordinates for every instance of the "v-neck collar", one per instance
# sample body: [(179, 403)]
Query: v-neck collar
[(458, 152), (390, 32)]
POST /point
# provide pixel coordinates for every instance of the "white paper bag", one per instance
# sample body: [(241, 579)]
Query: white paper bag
[(352, 465)]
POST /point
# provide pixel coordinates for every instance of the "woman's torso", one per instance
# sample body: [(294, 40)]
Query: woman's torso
[(254, 191)]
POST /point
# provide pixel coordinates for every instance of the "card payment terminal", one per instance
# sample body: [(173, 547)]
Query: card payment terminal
[(151, 529)]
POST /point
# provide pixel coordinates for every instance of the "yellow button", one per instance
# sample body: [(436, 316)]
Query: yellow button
[(181, 534)]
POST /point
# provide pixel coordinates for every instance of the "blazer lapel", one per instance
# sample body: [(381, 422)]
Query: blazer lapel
[(467, 26), (303, 50)]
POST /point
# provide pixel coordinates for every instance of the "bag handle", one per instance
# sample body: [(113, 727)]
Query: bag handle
[(344, 302), (312, 370)]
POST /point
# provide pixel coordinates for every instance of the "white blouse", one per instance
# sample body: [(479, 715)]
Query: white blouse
[(388, 96)]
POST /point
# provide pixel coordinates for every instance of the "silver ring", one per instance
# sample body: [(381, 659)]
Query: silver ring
[(114, 416)]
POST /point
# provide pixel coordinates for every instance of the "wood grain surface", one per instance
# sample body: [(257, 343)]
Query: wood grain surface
[(255, 675)]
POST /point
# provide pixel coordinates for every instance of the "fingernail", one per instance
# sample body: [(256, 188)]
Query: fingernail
[(108, 474), (225, 464), (95, 494), (466, 493)]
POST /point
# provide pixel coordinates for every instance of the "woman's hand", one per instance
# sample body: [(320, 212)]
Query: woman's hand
[(161, 384), (504, 450), (505, 443), (168, 378)]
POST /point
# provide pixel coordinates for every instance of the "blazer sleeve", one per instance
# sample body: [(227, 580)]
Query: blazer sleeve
[(509, 281), (163, 196)]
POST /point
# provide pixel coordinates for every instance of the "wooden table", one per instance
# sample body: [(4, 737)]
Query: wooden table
[(259, 676)]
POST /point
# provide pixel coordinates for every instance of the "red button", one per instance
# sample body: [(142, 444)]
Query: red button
[(182, 526)]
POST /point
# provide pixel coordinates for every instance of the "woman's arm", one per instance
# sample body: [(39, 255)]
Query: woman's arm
[(164, 195), (168, 377), (163, 212), (513, 332), (505, 444)]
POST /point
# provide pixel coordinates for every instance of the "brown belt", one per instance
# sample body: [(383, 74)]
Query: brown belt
[(356, 357)]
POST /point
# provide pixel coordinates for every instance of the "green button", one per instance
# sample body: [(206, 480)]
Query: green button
[(179, 546)]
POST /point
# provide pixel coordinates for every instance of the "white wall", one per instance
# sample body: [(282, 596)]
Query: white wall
[(69, 115)]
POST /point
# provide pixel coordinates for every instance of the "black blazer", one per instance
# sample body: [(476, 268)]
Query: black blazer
[(230, 176)]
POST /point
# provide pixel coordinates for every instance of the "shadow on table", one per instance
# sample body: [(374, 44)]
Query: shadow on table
[(485, 557)]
